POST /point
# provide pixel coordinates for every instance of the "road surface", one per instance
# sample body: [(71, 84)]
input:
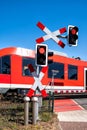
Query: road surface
[(72, 113)]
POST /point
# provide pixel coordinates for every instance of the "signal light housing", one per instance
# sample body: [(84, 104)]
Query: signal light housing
[(41, 55), (50, 60), (72, 35)]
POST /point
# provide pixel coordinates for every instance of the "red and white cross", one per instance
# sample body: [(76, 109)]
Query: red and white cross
[(50, 34), (37, 82)]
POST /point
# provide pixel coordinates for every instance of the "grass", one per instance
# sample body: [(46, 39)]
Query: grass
[(45, 116), (12, 117), (11, 125)]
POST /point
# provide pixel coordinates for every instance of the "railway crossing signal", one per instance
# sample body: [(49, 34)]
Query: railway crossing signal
[(41, 55), (72, 35), (37, 82), (50, 34)]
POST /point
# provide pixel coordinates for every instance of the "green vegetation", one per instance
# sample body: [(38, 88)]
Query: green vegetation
[(45, 116), (12, 117), (5, 124)]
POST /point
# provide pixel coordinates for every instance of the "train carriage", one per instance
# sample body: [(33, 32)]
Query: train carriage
[(64, 75)]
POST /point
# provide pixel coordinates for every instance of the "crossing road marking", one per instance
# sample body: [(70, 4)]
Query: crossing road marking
[(63, 105)]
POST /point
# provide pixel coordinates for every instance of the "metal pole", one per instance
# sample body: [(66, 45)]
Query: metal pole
[(54, 73), (53, 102), (26, 110), (39, 103), (37, 92), (38, 71), (35, 109)]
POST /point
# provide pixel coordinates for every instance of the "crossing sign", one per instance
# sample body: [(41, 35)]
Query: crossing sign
[(52, 35), (37, 82)]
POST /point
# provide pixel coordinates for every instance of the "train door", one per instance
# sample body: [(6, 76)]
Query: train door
[(85, 78)]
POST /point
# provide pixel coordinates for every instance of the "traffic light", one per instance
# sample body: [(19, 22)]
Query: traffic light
[(41, 54), (72, 35)]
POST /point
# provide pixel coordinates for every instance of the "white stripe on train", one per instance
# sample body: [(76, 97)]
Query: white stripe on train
[(55, 89)]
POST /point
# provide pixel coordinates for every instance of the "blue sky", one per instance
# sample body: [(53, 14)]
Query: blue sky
[(18, 19)]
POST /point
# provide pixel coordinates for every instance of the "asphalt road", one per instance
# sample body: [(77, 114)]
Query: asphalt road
[(82, 102)]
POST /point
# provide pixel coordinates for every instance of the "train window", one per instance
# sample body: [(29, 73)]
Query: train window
[(25, 62), (56, 70), (72, 72), (5, 65)]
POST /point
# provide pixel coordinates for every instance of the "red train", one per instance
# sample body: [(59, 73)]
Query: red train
[(64, 75)]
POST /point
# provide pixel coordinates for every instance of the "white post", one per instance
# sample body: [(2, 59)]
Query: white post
[(35, 109), (40, 101), (26, 110)]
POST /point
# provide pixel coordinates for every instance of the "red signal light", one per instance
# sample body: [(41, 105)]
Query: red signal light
[(73, 31), (42, 50)]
